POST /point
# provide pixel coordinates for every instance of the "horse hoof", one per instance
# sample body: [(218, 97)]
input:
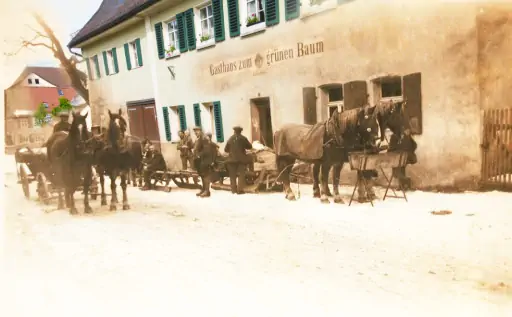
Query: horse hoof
[(325, 201), (316, 195), (291, 198), (113, 208), (328, 194), (88, 210), (73, 211), (103, 202), (338, 200), (126, 207)]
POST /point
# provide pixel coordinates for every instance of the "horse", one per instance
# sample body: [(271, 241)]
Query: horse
[(323, 145), (70, 161), (120, 154), (389, 115)]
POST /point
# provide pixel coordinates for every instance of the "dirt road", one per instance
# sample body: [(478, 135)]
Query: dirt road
[(174, 254)]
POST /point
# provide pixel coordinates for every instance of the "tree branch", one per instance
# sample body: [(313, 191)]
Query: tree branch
[(37, 32)]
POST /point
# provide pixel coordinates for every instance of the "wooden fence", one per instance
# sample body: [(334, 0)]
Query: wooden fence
[(497, 149)]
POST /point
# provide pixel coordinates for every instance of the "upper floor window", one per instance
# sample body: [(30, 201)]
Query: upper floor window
[(37, 81), (95, 72), (255, 12), (45, 104), (206, 19), (134, 48), (60, 92), (310, 7), (30, 81), (112, 61), (172, 38)]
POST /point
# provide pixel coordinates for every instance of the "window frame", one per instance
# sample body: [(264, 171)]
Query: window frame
[(96, 69), (111, 63), (175, 123), (167, 40), (134, 55), (24, 123), (29, 80), (207, 109), (377, 81), (198, 25), (253, 28), (308, 9), (327, 103), (36, 81)]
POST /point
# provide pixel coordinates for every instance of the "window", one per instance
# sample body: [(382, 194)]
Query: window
[(112, 61), (30, 81), (23, 139), (206, 26), (310, 7), (45, 104), (134, 48), (96, 65), (255, 12), (171, 45), (208, 115), (334, 98), (387, 88), (23, 122), (177, 121), (207, 118), (60, 92), (37, 81)]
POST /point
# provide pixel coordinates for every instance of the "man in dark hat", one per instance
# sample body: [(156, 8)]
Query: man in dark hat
[(63, 124), (205, 153), (237, 159)]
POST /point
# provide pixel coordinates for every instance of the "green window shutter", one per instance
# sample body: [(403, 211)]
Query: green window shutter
[(291, 9), (218, 20), (233, 18), (139, 51), (191, 33), (127, 55), (217, 114), (197, 115), (116, 64), (97, 66), (159, 40), (105, 62), (183, 118), (272, 12), (182, 32), (167, 125), (88, 64)]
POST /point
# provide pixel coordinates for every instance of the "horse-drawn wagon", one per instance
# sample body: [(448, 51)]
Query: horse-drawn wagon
[(32, 165)]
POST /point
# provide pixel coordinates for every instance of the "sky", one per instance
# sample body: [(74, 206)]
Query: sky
[(65, 17)]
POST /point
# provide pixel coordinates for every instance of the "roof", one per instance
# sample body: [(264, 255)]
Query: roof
[(109, 14), (54, 75)]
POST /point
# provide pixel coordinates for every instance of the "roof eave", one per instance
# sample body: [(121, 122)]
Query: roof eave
[(75, 42)]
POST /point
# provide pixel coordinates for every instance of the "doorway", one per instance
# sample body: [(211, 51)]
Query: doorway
[(143, 122), (261, 121)]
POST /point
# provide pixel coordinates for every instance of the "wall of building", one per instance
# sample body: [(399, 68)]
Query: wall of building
[(360, 39), (114, 90)]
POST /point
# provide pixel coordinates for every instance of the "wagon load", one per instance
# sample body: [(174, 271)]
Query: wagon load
[(300, 140)]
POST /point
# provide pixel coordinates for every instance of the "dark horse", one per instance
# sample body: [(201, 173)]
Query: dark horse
[(70, 162), (389, 115), (115, 154), (324, 148)]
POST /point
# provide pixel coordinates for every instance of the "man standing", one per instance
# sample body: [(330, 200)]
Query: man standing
[(63, 124), (237, 159), (185, 147), (204, 157)]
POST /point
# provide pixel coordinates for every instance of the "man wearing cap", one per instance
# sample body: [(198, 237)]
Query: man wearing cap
[(63, 124), (204, 157), (185, 147), (237, 159)]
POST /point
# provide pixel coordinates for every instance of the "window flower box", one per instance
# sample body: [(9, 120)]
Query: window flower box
[(205, 40), (171, 52)]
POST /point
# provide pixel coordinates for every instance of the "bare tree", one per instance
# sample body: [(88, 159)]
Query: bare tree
[(46, 38)]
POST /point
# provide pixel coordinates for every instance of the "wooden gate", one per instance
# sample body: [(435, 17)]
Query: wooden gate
[(497, 149)]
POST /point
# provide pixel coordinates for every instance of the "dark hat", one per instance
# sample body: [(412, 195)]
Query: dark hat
[(197, 128), (238, 128)]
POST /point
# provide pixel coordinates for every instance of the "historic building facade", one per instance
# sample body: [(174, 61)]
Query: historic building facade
[(263, 63)]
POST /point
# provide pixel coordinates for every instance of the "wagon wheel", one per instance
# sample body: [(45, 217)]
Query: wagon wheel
[(24, 183), (43, 192), (94, 185)]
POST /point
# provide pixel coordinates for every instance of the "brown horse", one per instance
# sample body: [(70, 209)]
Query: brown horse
[(324, 145), (70, 162)]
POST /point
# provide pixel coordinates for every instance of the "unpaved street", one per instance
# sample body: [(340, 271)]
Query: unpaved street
[(174, 254)]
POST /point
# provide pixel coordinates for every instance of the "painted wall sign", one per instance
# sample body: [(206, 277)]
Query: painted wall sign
[(271, 57)]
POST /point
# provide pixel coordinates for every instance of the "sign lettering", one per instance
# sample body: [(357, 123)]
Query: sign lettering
[(273, 56)]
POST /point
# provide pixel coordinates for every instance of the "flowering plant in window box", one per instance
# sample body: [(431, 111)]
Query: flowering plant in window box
[(253, 19), (204, 37), (171, 51)]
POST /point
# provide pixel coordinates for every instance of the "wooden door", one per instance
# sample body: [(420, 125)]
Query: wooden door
[(151, 125), (136, 121)]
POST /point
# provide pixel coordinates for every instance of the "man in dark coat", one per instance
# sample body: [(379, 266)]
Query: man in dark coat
[(185, 147), (205, 153), (153, 161), (63, 124), (237, 159), (408, 145)]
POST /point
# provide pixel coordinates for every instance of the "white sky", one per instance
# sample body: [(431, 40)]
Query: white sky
[(65, 17)]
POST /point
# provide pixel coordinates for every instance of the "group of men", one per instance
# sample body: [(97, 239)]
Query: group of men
[(202, 156)]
